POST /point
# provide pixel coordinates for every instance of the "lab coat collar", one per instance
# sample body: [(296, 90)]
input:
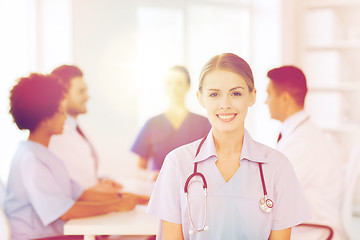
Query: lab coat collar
[(207, 150), (43, 153), (292, 122), (250, 151), (70, 121)]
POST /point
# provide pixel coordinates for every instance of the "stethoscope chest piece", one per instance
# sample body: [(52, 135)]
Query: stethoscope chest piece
[(266, 204)]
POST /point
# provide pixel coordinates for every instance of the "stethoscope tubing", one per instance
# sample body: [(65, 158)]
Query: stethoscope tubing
[(186, 187), (266, 206), (203, 227)]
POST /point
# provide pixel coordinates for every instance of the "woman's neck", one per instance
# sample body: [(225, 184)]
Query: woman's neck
[(176, 114), (177, 108), (228, 142), (40, 137)]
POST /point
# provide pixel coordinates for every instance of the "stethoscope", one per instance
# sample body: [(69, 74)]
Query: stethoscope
[(266, 204)]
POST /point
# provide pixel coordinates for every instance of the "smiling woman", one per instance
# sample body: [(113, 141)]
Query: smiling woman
[(249, 187), (222, 90)]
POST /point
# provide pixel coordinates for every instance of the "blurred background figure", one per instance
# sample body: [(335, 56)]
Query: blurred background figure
[(40, 194), (173, 128), (72, 146), (313, 156)]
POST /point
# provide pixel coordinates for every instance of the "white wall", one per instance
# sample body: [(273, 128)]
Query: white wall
[(106, 39), (107, 44)]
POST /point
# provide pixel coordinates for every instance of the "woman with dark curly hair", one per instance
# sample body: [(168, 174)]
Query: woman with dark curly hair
[(40, 195)]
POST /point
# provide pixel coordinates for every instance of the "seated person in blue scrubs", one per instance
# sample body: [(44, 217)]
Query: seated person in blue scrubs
[(40, 195), (226, 185), (172, 129)]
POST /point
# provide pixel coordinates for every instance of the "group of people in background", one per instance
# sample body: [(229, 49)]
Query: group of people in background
[(54, 174), (52, 179)]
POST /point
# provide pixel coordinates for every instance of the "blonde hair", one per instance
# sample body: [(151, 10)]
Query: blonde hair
[(228, 62)]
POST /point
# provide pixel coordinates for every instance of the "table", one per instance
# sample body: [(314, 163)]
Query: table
[(135, 222)]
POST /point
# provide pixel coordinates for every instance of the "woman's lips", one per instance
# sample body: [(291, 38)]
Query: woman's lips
[(226, 117)]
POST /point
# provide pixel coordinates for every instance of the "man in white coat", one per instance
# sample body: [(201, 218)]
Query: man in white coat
[(316, 164), (73, 147)]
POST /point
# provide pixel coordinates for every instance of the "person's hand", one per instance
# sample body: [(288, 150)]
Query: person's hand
[(110, 183), (127, 203), (107, 185), (142, 200)]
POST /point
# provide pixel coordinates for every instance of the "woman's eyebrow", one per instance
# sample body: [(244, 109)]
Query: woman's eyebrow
[(236, 88), (232, 89)]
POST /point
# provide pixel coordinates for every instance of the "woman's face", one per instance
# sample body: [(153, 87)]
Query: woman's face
[(55, 124), (226, 98), (176, 85)]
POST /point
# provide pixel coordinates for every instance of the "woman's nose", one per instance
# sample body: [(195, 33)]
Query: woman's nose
[(225, 102)]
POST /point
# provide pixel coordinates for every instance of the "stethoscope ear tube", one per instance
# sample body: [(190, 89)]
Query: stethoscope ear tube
[(195, 173)]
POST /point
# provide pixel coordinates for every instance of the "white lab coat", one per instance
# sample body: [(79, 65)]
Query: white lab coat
[(319, 169), (232, 210), (76, 153)]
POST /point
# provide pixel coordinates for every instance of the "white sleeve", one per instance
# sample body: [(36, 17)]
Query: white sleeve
[(165, 200), (48, 197), (77, 157), (291, 207)]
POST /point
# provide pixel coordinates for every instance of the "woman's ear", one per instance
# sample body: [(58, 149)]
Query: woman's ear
[(200, 99), (252, 97)]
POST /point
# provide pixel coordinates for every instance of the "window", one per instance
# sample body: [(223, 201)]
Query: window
[(190, 33)]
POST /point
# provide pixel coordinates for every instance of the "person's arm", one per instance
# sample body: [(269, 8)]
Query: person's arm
[(106, 186), (280, 234), (172, 231), (90, 195), (93, 195), (80, 209), (143, 162)]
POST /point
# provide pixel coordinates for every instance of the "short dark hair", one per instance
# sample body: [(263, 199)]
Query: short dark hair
[(66, 73), (183, 70), (228, 62), (289, 79), (34, 99)]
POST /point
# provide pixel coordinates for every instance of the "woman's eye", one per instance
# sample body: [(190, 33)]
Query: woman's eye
[(213, 95), (236, 94)]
